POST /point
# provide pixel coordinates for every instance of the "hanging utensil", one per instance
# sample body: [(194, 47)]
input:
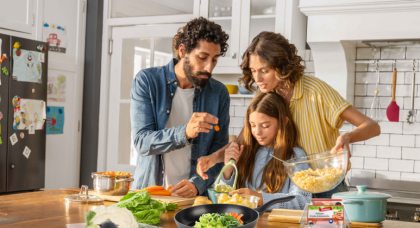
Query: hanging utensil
[(411, 119), (393, 110), (375, 109)]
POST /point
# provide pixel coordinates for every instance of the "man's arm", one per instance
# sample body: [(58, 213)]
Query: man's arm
[(147, 139), (220, 139)]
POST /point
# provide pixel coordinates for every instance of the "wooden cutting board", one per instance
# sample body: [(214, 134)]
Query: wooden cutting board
[(181, 201), (293, 216)]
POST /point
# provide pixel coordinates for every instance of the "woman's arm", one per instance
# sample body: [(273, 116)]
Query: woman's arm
[(366, 129)]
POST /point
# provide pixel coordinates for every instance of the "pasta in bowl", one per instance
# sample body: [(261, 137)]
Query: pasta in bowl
[(318, 172)]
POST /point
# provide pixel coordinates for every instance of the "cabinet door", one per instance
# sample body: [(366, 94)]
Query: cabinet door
[(4, 97), (258, 16), (17, 15), (227, 14)]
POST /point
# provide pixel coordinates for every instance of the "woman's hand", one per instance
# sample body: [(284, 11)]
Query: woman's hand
[(343, 143), (205, 163), (232, 152), (247, 191)]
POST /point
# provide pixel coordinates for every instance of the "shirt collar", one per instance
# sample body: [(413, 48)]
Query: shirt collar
[(170, 69), (298, 89)]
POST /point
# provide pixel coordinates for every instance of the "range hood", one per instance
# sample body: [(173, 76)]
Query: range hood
[(336, 26)]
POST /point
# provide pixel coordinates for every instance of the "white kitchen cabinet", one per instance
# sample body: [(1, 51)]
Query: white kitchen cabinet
[(17, 15), (254, 16)]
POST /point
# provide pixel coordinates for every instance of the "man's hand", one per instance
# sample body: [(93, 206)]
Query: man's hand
[(247, 191), (200, 122), (185, 189)]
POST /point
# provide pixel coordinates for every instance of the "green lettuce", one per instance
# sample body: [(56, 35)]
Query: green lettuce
[(171, 206), (150, 217), (133, 201), (128, 196)]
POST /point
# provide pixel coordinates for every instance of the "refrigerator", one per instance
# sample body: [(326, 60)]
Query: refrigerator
[(23, 92)]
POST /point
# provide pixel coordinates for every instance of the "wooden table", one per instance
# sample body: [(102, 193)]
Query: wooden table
[(49, 209)]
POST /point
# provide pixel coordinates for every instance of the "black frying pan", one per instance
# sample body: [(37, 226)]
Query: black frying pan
[(186, 218)]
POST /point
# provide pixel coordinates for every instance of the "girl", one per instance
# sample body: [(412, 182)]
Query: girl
[(317, 110), (268, 130)]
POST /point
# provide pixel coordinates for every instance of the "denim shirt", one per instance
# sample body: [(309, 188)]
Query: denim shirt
[(151, 101)]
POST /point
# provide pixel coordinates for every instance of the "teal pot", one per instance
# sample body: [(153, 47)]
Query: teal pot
[(362, 206)]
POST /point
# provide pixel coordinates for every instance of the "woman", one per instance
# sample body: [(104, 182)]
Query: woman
[(318, 111), (267, 131)]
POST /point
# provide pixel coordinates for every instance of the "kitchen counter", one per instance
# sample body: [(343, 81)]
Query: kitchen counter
[(49, 209)]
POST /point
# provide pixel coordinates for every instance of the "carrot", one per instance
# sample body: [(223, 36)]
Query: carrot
[(160, 193), (169, 189), (216, 128), (153, 188)]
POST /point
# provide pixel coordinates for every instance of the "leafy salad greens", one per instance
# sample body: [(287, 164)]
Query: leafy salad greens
[(215, 220), (145, 209)]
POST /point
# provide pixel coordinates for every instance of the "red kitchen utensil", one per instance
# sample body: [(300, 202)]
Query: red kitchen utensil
[(393, 110)]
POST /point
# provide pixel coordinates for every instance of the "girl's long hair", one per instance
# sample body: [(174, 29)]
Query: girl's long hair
[(274, 174), (276, 52)]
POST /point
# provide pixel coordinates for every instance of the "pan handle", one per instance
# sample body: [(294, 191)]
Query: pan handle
[(265, 206)]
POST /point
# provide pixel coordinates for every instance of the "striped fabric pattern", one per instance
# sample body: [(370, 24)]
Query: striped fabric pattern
[(316, 107)]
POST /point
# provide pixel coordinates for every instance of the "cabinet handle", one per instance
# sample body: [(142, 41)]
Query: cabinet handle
[(233, 55)]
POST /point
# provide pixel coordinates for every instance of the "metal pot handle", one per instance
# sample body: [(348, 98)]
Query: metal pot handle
[(125, 180), (353, 201), (265, 206)]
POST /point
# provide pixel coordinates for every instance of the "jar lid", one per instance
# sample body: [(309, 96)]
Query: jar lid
[(360, 194)]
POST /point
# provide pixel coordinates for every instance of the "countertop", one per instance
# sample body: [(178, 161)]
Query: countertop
[(49, 209)]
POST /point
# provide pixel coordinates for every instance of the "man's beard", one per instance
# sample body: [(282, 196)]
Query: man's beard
[(194, 78)]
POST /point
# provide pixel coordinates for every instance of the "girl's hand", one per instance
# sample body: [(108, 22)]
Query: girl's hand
[(233, 151), (247, 191)]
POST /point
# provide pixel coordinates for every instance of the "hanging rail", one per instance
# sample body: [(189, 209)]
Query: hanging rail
[(389, 61)]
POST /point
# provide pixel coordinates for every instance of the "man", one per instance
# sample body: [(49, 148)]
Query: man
[(175, 109)]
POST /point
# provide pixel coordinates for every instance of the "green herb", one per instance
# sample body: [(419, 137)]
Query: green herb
[(215, 220), (171, 206), (89, 217)]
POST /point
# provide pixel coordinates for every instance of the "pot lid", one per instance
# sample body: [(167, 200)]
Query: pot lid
[(360, 194), (83, 198)]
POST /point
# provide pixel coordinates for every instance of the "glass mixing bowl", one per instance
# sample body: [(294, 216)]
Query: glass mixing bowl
[(318, 173)]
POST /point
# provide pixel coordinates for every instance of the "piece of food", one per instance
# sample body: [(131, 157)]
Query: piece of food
[(216, 220), (223, 188), (108, 224), (102, 214), (216, 128), (144, 209), (238, 217), (202, 200), (328, 178), (237, 200), (160, 193), (152, 188)]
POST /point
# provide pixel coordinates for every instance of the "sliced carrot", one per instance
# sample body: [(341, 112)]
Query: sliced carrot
[(169, 189), (160, 193), (154, 188), (216, 128)]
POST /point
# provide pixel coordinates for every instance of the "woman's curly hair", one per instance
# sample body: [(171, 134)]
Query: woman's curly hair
[(197, 29), (277, 53)]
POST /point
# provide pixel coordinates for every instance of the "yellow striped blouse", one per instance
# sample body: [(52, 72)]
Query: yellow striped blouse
[(316, 107)]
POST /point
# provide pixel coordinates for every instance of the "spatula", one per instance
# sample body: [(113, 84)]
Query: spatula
[(393, 110)]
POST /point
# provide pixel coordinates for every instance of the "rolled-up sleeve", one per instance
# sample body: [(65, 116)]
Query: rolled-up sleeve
[(148, 140)]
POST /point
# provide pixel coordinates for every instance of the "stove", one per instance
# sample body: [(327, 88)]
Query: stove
[(405, 202)]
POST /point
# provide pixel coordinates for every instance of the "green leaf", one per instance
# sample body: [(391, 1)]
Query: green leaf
[(150, 217), (139, 198), (172, 206), (128, 196), (89, 217)]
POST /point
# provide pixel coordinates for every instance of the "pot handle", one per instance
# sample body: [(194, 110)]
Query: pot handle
[(125, 180), (265, 206), (353, 201)]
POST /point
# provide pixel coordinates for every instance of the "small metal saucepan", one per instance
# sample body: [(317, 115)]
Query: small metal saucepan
[(112, 185), (187, 217)]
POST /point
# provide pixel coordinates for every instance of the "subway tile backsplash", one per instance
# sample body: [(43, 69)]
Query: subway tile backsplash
[(395, 154)]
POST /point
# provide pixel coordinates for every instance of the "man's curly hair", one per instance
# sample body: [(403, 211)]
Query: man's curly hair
[(197, 29)]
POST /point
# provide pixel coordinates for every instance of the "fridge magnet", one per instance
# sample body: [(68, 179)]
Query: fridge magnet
[(5, 71), (16, 123), (56, 88), (26, 152), (30, 115), (55, 120), (22, 135), (16, 103), (40, 47), (56, 36), (1, 142), (1, 115), (13, 139), (41, 58), (3, 57), (16, 45), (27, 67)]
